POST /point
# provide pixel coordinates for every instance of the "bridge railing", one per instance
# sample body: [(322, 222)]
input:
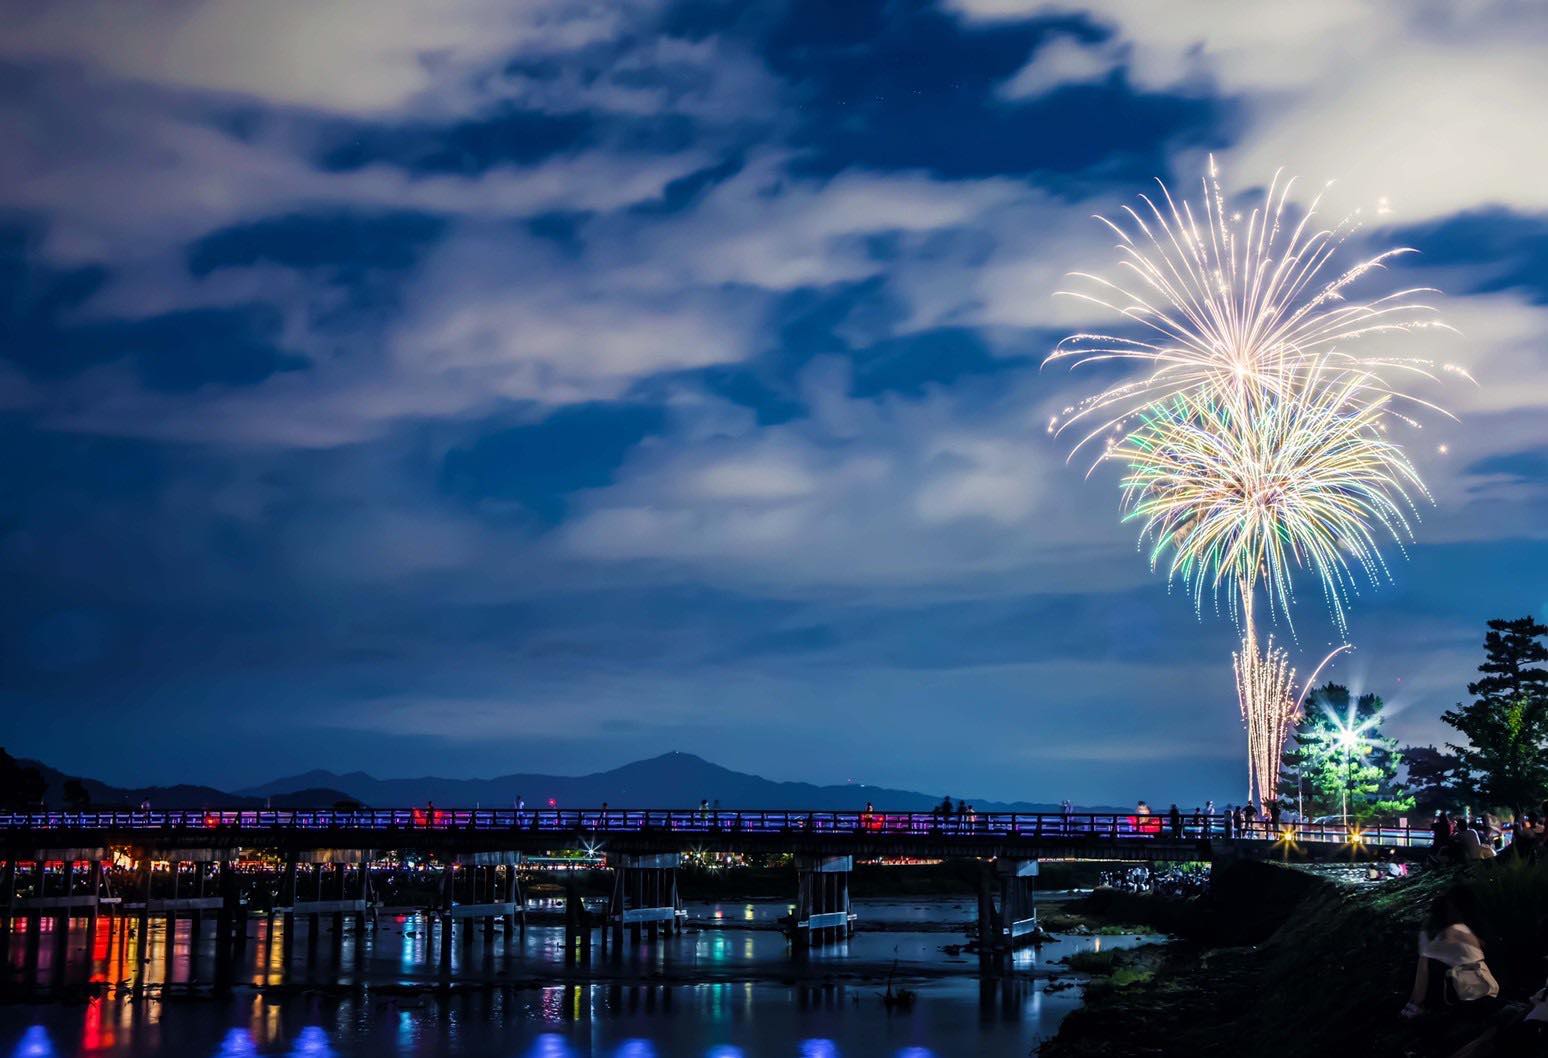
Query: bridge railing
[(1088, 825)]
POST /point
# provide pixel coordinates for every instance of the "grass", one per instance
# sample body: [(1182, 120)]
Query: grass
[(1281, 963)]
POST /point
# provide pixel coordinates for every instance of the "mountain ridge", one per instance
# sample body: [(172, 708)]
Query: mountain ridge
[(670, 780)]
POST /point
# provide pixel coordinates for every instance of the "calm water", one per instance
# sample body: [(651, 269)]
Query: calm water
[(731, 991)]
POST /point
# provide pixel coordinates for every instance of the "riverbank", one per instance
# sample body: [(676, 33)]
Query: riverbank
[(1283, 963)]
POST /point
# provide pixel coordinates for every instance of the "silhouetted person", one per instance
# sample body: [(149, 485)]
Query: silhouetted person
[(1237, 817), (1442, 836), (1274, 814), (1175, 818)]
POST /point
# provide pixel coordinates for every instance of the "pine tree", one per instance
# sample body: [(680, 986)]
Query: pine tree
[(1506, 755), (1434, 778), (1338, 754)]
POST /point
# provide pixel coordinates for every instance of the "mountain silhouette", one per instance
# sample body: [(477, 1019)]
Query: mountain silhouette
[(672, 780)]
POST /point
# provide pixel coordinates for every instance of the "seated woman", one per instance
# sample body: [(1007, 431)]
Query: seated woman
[(1472, 848), (1451, 967)]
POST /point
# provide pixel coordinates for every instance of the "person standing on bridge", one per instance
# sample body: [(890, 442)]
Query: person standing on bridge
[(1174, 817)]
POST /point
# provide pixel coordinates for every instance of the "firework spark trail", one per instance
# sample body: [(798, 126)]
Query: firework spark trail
[(1255, 443), (1237, 305)]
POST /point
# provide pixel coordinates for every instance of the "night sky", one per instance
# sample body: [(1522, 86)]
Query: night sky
[(469, 386)]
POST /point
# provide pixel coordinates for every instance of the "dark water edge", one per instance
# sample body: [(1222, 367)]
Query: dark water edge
[(726, 988)]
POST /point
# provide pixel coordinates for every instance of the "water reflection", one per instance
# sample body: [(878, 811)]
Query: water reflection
[(735, 992), (34, 1044)]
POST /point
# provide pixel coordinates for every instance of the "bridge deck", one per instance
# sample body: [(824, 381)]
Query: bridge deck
[(1045, 835)]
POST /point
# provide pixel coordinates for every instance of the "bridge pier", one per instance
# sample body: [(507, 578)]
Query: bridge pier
[(577, 926), (486, 900), (1012, 922), (8, 913), (823, 912), (645, 896)]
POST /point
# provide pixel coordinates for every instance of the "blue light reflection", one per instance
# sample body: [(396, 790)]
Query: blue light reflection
[(312, 1043), (237, 1044), (34, 1044), (550, 1045)]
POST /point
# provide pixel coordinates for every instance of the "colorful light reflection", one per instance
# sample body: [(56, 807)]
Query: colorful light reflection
[(34, 1044)]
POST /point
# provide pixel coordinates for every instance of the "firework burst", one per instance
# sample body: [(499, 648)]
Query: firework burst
[(1234, 494), (1255, 439), (1238, 304)]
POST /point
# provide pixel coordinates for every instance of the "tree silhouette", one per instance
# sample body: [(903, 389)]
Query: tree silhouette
[(1506, 727), (75, 794), (21, 788), (1435, 778)]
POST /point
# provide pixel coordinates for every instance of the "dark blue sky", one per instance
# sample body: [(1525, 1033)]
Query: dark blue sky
[(467, 387)]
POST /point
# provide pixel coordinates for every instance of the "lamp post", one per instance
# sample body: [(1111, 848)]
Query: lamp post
[(1348, 738)]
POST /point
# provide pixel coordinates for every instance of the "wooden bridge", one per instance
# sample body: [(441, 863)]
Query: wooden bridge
[(192, 863)]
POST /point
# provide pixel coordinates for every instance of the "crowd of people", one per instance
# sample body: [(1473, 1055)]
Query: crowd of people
[(1172, 880), (1456, 838)]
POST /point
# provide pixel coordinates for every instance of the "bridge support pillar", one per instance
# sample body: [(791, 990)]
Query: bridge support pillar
[(227, 922), (7, 914), (1011, 922), (142, 934), (645, 896), (822, 903), (448, 898), (35, 921)]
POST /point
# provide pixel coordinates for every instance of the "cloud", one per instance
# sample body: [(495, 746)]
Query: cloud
[(358, 56), (868, 494), (1062, 61), (1431, 104)]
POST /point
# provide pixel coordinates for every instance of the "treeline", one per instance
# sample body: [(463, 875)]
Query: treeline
[(1338, 760), (23, 787)]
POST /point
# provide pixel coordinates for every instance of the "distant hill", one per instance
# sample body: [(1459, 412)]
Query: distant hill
[(181, 796), (673, 780)]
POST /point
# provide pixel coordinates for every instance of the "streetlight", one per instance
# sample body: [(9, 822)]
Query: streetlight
[(1349, 739)]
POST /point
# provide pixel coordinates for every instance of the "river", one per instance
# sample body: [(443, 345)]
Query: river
[(727, 987)]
